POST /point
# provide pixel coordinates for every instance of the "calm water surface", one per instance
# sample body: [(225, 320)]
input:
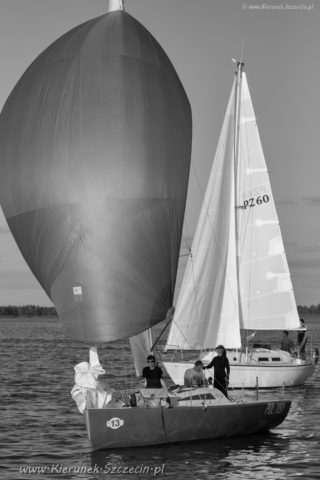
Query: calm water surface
[(41, 428)]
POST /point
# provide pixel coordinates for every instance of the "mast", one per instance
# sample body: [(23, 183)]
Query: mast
[(237, 107)]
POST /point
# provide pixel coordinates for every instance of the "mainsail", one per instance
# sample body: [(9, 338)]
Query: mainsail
[(267, 297), (237, 275), (95, 146)]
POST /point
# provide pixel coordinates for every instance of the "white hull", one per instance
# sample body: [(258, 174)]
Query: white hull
[(247, 371)]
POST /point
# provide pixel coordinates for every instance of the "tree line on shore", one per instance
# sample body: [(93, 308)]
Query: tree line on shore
[(302, 309), (27, 311), (36, 311)]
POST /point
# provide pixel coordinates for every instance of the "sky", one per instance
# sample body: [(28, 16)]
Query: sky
[(281, 53)]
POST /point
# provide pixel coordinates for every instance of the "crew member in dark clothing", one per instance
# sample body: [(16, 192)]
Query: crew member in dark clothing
[(153, 374), (286, 343), (302, 339), (221, 370)]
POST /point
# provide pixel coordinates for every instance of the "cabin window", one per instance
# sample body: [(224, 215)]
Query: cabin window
[(276, 359), (263, 359), (202, 396), (207, 396)]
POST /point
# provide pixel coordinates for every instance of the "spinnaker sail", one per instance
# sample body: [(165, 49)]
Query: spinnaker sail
[(95, 146)]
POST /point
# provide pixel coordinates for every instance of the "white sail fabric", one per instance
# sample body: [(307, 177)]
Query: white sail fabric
[(140, 347), (267, 298), (116, 5), (88, 391), (237, 275), (207, 311)]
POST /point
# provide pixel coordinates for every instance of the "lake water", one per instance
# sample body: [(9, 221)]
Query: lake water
[(43, 435)]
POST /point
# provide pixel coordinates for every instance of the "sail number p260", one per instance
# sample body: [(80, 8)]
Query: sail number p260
[(252, 202)]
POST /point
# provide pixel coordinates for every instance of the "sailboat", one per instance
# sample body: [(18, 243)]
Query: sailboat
[(237, 276), (93, 185)]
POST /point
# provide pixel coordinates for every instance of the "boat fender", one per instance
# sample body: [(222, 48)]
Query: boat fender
[(315, 356)]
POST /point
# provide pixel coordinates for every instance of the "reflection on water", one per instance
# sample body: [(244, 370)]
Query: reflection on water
[(255, 457), (227, 458), (42, 428)]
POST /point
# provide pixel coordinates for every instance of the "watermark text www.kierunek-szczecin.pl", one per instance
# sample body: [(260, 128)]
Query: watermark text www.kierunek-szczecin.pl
[(109, 468), (278, 6)]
